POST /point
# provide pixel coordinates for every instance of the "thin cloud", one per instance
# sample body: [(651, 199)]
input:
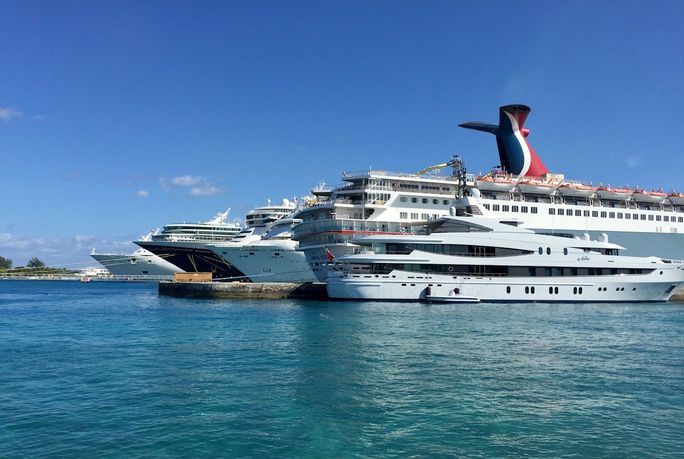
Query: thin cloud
[(142, 193), (9, 113), (199, 186)]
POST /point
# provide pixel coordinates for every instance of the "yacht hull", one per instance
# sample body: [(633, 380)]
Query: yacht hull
[(193, 257)]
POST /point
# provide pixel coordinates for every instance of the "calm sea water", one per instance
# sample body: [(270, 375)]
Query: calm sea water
[(114, 370)]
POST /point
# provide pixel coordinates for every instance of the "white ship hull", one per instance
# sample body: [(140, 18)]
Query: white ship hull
[(268, 261), (403, 286), (136, 264)]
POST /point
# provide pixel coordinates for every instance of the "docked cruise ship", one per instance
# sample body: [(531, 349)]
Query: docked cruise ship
[(271, 258), (521, 190), (185, 245), (139, 263), (470, 257)]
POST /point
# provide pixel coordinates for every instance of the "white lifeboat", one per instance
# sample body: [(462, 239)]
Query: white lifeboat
[(676, 198), (494, 183), (655, 197), (576, 190), (537, 187), (618, 194)]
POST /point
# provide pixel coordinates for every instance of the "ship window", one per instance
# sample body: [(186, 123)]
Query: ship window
[(435, 201), (514, 208), (403, 214), (523, 209), (486, 206), (680, 219), (643, 216), (580, 290), (414, 216), (650, 218), (424, 216), (541, 251), (666, 218), (552, 211), (574, 290), (555, 290), (635, 216), (551, 290), (594, 213), (425, 201), (414, 200), (561, 211), (532, 289), (533, 210), (611, 215), (586, 213), (527, 290), (578, 213), (495, 207), (619, 215), (628, 216), (403, 199), (445, 202), (504, 208), (658, 218), (604, 214), (565, 251), (548, 250), (508, 289)]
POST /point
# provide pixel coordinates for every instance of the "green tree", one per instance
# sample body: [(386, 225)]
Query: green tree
[(5, 263), (36, 262)]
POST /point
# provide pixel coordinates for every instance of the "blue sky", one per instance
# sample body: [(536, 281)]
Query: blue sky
[(117, 117)]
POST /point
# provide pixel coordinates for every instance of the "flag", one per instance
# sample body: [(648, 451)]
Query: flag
[(329, 255)]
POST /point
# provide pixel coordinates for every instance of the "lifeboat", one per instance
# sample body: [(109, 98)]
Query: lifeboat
[(536, 187), (676, 198), (576, 190), (618, 194), (494, 183), (656, 197)]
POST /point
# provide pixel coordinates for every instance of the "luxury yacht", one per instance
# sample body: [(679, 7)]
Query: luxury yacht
[(472, 256)]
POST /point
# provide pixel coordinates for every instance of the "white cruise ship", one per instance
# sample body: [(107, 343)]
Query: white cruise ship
[(139, 263), (521, 191), (472, 257), (185, 245), (271, 258)]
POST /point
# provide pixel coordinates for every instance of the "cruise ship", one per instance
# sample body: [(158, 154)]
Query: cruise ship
[(139, 263), (521, 190), (271, 258), (472, 256), (185, 245)]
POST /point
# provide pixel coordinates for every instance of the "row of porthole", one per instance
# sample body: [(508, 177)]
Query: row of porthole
[(548, 251), (552, 290)]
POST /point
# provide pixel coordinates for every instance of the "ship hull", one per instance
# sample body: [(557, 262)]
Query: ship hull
[(193, 257)]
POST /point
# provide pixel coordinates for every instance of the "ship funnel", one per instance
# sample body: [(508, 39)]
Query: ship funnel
[(516, 155), (603, 237)]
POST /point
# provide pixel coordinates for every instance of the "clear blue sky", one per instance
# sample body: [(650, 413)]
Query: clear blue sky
[(103, 104)]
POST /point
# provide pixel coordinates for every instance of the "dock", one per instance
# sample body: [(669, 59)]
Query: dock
[(244, 290)]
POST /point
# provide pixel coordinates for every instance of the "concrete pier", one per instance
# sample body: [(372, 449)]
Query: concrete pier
[(244, 290)]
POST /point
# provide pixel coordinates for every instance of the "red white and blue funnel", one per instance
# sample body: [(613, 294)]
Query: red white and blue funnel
[(516, 155)]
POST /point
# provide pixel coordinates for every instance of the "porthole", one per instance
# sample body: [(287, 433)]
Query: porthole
[(541, 251), (508, 289), (661, 273), (574, 290), (532, 290), (617, 289), (555, 290), (527, 290), (580, 290), (634, 289), (450, 269), (548, 250), (551, 290), (565, 251)]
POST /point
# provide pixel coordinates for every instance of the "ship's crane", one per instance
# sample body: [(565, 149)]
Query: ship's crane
[(459, 172)]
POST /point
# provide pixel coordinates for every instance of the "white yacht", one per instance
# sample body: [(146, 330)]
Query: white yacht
[(271, 258), (471, 257), (186, 245), (139, 263), (521, 190)]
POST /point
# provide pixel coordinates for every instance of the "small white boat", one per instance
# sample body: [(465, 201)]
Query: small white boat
[(676, 198), (494, 183), (618, 194), (649, 196), (576, 190), (536, 187), (451, 299)]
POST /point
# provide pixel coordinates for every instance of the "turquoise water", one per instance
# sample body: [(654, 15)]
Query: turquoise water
[(114, 370)]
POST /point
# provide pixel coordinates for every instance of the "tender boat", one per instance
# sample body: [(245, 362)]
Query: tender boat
[(618, 194), (649, 196), (537, 187), (495, 183), (676, 198), (576, 190)]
